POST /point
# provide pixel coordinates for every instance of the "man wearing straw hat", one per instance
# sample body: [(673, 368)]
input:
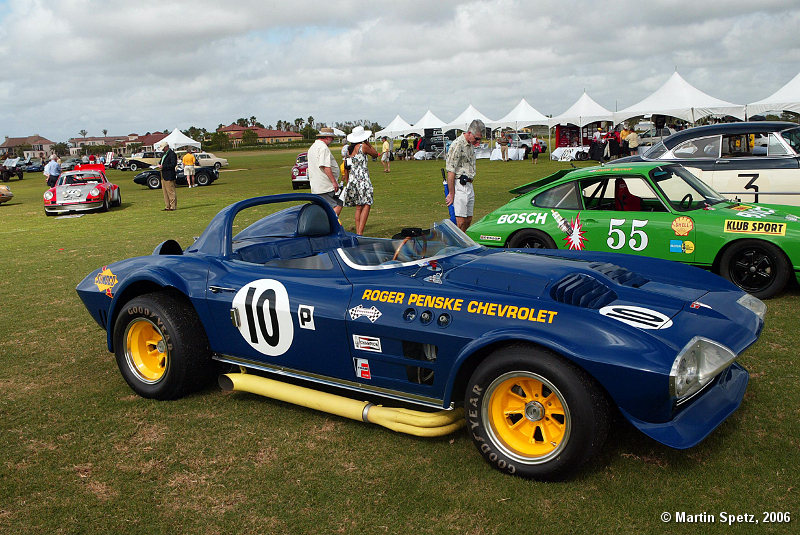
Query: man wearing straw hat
[(323, 171)]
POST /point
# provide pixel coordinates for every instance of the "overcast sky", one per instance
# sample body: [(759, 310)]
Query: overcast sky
[(141, 66)]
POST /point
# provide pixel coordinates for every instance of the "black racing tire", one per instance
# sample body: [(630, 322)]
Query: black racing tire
[(154, 181), (106, 204), (202, 179), (581, 156), (133, 166), (533, 414), (531, 239), (118, 202), (161, 347), (758, 267), (217, 165)]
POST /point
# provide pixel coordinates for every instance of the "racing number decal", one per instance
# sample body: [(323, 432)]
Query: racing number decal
[(616, 237), (752, 184), (266, 321)]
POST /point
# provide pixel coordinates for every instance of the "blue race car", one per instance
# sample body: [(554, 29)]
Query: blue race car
[(533, 349)]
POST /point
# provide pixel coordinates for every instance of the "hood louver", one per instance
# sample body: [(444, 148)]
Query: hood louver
[(618, 274), (582, 291)]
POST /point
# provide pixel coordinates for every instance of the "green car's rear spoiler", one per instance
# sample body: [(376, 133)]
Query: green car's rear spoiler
[(539, 183)]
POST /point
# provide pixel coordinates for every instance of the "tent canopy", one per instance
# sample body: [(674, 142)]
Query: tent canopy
[(584, 111), (398, 127), (467, 116), (678, 98), (429, 120), (786, 98), (177, 139), (522, 116)]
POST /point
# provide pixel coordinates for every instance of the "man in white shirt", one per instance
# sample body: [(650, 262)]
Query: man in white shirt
[(323, 171)]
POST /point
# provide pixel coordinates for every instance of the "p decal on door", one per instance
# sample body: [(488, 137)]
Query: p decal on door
[(265, 318)]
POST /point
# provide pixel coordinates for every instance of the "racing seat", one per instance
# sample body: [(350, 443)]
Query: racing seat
[(313, 221), (624, 200)]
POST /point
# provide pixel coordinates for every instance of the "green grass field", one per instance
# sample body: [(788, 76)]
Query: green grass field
[(80, 453)]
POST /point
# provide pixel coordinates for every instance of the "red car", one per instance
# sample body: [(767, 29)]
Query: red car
[(299, 176), (85, 188)]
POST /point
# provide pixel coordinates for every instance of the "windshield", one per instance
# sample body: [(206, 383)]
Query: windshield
[(411, 246), (792, 137), (656, 151), (682, 189), (79, 179)]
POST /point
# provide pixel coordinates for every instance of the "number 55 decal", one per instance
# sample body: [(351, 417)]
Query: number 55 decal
[(266, 321), (616, 237)]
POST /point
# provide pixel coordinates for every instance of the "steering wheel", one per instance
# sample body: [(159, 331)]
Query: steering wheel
[(687, 201), (413, 247)]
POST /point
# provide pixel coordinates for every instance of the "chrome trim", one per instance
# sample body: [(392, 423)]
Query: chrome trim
[(341, 383), (420, 262), (217, 289)]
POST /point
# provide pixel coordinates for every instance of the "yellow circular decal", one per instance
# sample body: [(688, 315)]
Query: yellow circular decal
[(688, 247)]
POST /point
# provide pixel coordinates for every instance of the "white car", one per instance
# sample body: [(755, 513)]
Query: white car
[(523, 139), (206, 159), (654, 135)]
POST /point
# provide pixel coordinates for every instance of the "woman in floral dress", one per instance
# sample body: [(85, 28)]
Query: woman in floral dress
[(358, 190)]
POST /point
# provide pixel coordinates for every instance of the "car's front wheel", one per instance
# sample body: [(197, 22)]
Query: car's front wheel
[(757, 267), (133, 167), (118, 202), (533, 414), (161, 347), (217, 165), (531, 239), (202, 179), (154, 181)]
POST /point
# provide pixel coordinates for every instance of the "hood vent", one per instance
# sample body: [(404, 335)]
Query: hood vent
[(620, 275), (582, 291)]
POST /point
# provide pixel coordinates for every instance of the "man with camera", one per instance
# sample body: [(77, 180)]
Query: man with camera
[(460, 169)]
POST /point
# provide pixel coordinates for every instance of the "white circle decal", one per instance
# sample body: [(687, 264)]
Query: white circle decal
[(644, 318), (265, 320)]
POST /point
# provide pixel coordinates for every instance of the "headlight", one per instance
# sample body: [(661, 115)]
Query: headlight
[(94, 193), (48, 195), (696, 365), (753, 304), (294, 172)]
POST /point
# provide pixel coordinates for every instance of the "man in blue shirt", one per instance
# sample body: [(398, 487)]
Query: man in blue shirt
[(52, 170)]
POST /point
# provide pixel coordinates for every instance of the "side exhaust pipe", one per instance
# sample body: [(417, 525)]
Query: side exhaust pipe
[(418, 423)]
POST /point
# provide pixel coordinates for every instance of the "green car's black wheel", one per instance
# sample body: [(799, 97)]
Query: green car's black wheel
[(757, 267), (531, 239)]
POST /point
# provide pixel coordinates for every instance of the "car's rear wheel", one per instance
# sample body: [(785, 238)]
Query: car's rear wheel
[(154, 181), (133, 166), (757, 267), (202, 179), (533, 414), (217, 165), (531, 239), (161, 347)]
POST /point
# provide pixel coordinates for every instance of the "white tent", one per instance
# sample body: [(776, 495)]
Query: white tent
[(398, 127), (523, 115), (463, 121), (429, 120), (177, 139), (786, 98), (584, 111), (678, 98)]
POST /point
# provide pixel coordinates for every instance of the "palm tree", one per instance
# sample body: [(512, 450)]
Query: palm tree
[(83, 133), (253, 120), (105, 132), (310, 121), (298, 123)]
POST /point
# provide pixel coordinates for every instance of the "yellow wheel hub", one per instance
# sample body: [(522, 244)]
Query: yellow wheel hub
[(146, 351), (528, 416)]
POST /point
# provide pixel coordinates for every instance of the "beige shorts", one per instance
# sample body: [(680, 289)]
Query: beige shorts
[(464, 199), (188, 170)]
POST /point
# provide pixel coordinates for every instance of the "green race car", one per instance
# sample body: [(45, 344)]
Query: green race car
[(656, 210)]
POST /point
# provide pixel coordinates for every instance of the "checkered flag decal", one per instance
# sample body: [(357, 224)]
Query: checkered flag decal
[(371, 313)]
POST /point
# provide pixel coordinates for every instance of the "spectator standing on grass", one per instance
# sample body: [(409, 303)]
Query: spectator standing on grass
[(168, 162), (323, 171), (52, 170), (536, 148), (633, 142), (503, 142), (358, 189), (460, 168), (385, 154), (189, 161)]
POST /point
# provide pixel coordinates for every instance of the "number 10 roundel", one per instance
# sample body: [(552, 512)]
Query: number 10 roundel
[(265, 319)]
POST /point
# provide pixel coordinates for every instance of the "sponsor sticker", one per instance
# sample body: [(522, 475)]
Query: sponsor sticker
[(682, 225), (790, 217), (530, 218), (305, 317), (490, 238), (680, 246), (362, 368), (740, 207), (105, 281), (372, 313), (367, 343), (756, 212), (755, 227)]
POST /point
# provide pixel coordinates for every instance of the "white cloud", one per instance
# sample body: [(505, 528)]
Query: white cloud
[(149, 65)]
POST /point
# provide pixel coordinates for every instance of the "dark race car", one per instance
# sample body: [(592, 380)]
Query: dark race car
[(534, 350), (151, 178), (83, 189)]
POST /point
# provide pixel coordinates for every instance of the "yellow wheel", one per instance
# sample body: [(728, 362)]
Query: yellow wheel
[(527, 416), (146, 351), (533, 413)]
